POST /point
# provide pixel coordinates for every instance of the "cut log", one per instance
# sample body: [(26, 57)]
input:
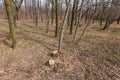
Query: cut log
[(52, 63), (54, 53)]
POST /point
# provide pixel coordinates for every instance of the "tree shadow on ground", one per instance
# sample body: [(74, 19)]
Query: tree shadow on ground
[(3, 24), (7, 43), (48, 45)]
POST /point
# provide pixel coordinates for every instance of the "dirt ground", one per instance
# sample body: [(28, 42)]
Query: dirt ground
[(97, 57)]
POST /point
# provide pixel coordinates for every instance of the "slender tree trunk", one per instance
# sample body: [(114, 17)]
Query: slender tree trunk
[(61, 9), (76, 12), (31, 16), (40, 11), (25, 9), (109, 21), (118, 20), (33, 10), (62, 27), (36, 17), (73, 17), (68, 19), (47, 15), (101, 19), (17, 8), (36, 13), (52, 12), (79, 19), (86, 26), (56, 29)]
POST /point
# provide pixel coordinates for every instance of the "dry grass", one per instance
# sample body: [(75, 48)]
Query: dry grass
[(27, 61)]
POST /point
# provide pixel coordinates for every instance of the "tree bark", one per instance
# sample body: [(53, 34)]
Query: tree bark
[(52, 12), (11, 22), (79, 19), (25, 9), (62, 27), (118, 20), (73, 17), (56, 29), (47, 15), (17, 8)]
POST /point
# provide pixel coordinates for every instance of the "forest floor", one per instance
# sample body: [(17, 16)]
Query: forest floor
[(97, 56)]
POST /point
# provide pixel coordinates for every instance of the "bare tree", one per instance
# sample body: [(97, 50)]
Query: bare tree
[(73, 15), (86, 26), (62, 27), (16, 8), (78, 22), (47, 14), (52, 11), (25, 9), (56, 10)]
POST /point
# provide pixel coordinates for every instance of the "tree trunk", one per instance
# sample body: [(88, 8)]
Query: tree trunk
[(11, 22), (36, 13), (101, 19), (77, 24), (17, 8), (25, 10), (47, 15), (107, 23), (73, 17), (62, 27), (31, 16), (52, 12), (118, 20), (56, 29)]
